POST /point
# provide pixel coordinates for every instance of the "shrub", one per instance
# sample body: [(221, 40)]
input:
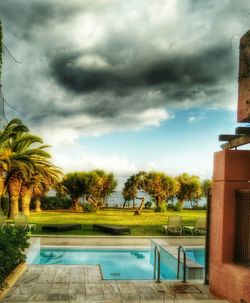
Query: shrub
[(177, 207), (4, 205), (54, 203), (88, 208), (160, 208), (13, 242), (148, 204)]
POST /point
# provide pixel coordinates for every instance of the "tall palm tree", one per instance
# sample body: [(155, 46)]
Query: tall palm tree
[(10, 131), (45, 177), (22, 165)]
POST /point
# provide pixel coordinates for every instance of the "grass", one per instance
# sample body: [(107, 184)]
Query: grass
[(147, 224)]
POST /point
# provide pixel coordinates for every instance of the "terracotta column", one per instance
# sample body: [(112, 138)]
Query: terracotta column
[(231, 172)]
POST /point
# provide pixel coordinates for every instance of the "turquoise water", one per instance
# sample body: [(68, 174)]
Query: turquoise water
[(115, 264), (196, 255)]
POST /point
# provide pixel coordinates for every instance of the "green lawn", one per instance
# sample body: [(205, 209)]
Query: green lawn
[(147, 224)]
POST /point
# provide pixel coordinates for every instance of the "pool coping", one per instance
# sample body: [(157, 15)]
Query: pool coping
[(12, 278)]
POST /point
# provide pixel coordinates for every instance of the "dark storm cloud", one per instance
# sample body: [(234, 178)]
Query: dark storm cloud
[(106, 63), (206, 69)]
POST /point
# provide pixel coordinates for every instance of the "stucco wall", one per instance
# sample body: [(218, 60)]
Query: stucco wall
[(231, 172)]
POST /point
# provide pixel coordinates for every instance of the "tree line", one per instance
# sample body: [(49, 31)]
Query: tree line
[(163, 188), (26, 173)]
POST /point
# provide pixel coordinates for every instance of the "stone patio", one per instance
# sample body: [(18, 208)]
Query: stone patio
[(81, 283)]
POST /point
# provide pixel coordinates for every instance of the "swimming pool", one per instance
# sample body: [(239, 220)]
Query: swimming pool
[(122, 264), (197, 255), (114, 264)]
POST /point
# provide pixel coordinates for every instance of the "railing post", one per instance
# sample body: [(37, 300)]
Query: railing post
[(157, 255), (184, 263)]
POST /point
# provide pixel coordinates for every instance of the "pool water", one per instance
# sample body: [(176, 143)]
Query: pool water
[(196, 255), (115, 264)]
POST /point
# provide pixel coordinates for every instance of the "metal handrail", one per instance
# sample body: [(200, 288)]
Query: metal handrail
[(157, 249), (184, 262)]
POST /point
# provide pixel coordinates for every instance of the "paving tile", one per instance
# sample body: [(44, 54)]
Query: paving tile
[(93, 275), (77, 274), (93, 289), (17, 298), (142, 288), (129, 297), (41, 288), (47, 274), (59, 288), (62, 274), (110, 288), (76, 288), (38, 298), (127, 288), (31, 274), (80, 298), (112, 297), (58, 297), (94, 297), (24, 288)]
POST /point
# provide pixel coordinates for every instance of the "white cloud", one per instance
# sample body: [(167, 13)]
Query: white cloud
[(78, 158)]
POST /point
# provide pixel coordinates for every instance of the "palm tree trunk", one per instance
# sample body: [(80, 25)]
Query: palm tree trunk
[(14, 187), (26, 194), (1, 188), (1, 184), (75, 204), (181, 202), (38, 204), (37, 193)]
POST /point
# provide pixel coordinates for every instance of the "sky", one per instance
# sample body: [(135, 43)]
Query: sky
[(125, 85)]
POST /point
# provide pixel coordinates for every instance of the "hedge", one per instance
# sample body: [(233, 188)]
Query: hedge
[(13, 242)]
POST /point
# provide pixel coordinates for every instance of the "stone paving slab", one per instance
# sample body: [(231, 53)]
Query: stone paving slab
[(80, 283)]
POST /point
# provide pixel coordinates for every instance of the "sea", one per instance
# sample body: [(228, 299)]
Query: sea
[(116, 200)]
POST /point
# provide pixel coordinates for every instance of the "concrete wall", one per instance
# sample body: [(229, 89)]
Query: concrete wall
[(231, 172)]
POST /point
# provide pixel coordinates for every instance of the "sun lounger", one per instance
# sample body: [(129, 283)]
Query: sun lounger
[(199, 228), (61, 227), (173, 226), (113, 229)]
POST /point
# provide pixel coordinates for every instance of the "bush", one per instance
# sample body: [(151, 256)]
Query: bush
[(177, 207), (4, 205), (13, 242), (160, 208), (148, 204), (88, 208), (54, 203)]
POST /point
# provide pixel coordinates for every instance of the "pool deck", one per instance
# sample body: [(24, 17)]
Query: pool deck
[(84, 283)]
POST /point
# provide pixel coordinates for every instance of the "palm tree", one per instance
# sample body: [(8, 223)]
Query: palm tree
[(22, 165), (45, 177), (10, 131)]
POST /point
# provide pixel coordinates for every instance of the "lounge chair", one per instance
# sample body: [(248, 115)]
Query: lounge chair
[(21, 221), (199, 227), (2, 221), (174, 225)]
